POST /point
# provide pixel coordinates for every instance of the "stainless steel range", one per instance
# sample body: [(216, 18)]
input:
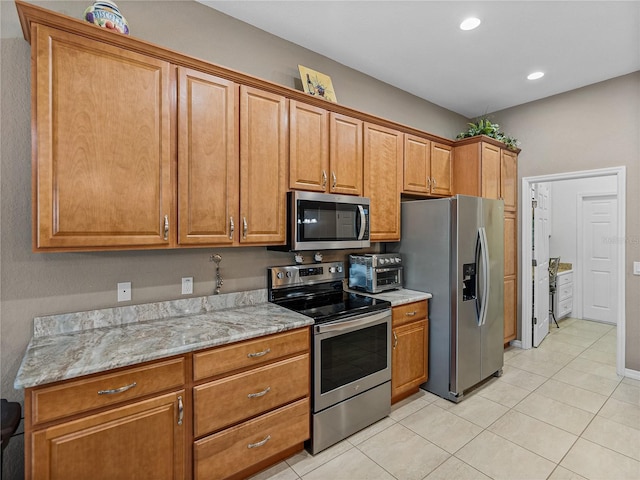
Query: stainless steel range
[(351, 351)]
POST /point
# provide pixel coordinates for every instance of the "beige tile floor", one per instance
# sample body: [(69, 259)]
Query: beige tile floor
[(559, 412)]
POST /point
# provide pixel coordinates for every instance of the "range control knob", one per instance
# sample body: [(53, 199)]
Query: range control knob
[(339, 268), (398, 260), (289, 274), (280, 274), (332, 269)]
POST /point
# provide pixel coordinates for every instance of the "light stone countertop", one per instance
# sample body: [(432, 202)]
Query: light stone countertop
[(63, 350), (396, 297)]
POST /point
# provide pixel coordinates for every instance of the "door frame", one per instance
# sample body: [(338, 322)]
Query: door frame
[(526, 337), (577, 279)]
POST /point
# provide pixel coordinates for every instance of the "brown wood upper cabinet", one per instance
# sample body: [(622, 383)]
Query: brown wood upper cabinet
[(325, 150), (383, 155), (263, 163), (484, 169), (102, 164), (427, 167), (208, 162)]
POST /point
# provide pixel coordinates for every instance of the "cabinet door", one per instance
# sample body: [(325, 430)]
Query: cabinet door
[(441, 176), (383, 149), (417, 160), (409, 357), (207, 159), (263, 163), (510, 276), (144, 440), (102, 156), (490, 171), (309, 147), (508, 179), (345, 154)]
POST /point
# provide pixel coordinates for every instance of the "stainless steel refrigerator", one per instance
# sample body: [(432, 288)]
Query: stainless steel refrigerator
[(453, 249)]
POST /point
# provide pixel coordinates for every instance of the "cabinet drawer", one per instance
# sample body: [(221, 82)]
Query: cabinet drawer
[(233, 399), (69, 398), (565, 307), (566, 291), (564, 279), (237, 448), (409, 312), (249, 353)]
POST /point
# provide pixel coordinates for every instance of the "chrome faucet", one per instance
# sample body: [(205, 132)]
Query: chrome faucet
[(217, 259)]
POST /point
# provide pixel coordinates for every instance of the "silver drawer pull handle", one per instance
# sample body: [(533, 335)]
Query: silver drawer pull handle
[(260, 443), (117, 390), (259, 394), (232, 228), (411, 314), (395, 340), (258, 354), (180, 410)]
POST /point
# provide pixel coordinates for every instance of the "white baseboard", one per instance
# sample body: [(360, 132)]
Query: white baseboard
[(635, 374), (516, 343)]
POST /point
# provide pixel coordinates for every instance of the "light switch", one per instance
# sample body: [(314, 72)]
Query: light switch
[(636, 268)]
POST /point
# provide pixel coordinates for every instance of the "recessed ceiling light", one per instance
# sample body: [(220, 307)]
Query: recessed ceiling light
[(470, 23), (535, 75)]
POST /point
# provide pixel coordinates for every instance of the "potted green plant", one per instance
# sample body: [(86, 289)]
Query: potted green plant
[(484, 126)]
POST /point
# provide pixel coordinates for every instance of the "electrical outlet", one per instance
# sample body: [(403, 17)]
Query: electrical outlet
[(187, 285), (124, 292)]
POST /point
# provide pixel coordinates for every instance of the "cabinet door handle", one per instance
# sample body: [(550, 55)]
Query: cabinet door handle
[(395, 340), (429, 183), (411, 314), (334, 180), (232, 228), (117, 390), (258, 354), (259, 394), (166, 227), (180, 410), (245, 227), (434, 182), (260, 443), (324, 179)]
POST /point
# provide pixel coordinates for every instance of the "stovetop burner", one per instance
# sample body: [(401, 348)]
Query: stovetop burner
[(317, 291)]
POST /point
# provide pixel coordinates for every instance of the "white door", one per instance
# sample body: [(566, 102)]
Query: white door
[(599, 258), (541, 259)]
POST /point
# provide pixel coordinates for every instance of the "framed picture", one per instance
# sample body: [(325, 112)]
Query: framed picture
[(317, 84)]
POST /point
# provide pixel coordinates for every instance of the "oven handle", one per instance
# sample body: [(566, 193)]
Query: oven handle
[(388, 269), (353, 323)]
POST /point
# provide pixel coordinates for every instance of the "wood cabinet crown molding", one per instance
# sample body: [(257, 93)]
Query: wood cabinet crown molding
[(30, 15)]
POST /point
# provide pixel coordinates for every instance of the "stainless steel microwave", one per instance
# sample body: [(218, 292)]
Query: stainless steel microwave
[(323, 221)]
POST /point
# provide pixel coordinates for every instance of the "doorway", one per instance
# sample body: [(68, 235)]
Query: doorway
[(615, 242)]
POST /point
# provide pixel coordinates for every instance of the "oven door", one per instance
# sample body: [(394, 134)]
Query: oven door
[(386, 278), (350, 357)]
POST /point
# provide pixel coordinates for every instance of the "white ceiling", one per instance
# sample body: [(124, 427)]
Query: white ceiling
[(418, 47)]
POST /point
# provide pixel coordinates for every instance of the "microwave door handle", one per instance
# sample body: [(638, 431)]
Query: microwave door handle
[(363, 223)]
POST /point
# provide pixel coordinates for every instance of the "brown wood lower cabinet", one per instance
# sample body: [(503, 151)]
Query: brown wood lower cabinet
[(142, 440), (409, 367), (251, 414), (246, 446), (249, 408)]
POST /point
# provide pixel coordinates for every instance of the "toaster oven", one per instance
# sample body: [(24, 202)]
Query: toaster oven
[(375, 272)]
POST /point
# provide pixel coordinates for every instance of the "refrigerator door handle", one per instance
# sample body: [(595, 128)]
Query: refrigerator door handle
[(486, 286)]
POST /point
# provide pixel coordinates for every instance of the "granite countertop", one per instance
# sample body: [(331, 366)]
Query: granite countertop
[(72, 345), (396, 297)]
